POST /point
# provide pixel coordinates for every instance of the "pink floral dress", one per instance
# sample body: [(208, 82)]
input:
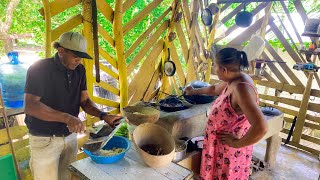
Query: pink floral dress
[(220, 161)]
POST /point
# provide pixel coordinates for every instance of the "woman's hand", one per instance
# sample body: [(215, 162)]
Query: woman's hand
[(188, 90), (229, 139)]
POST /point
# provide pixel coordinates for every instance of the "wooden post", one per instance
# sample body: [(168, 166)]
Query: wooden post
[(6, 123), (265, 22), (87, 33), (210, 42), (47, 17), (119, 45), (191, 72), (303, 110)]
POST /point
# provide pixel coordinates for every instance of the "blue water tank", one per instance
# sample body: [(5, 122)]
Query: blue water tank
[(12, 81)]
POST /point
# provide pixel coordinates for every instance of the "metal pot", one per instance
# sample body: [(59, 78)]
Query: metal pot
[(180, 150), (198, 99)]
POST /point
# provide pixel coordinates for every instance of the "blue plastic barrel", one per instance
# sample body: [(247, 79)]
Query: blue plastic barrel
[(12, 81)]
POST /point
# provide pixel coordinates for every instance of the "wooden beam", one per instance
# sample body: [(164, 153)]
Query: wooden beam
[(232, 13), (310, 139), (87, 33), (146, 33), (312, 125), (105, 35), (315, 92), (121, 59), (314, 107), (186, 15), (284, 66), (301, 10), (225, 7), (67, 26), (303, 111), (282, 87), (308, 149), (108, 87), (46, 6), (175, 59), (109, 71), (106, 102), (146, 47), (127, 4), (191, 71), (268, 76), (155, 77), (291, 22), (110, 59), (134, 21), (182, 40), (288, 101), (313, 118), (106, 10), (246, 35), (274, 69), (285, 43), (289, 35), (59, 6), (142, 79)]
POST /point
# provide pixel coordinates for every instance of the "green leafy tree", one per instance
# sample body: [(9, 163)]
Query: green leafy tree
[(5, 23)]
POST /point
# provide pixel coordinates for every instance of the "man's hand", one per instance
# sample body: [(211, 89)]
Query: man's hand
[(229, 139), (74, 124), (112, 120)]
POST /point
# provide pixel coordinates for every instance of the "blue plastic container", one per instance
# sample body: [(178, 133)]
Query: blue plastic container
[(12, 81), (114, 142)]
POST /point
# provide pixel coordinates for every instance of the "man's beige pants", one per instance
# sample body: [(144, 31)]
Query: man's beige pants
[(51, 156)]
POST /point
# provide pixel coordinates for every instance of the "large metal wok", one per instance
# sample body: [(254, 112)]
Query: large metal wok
[(173, 103), (198, 99)]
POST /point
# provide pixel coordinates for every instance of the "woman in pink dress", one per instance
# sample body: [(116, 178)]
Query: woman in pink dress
[(235, 122)]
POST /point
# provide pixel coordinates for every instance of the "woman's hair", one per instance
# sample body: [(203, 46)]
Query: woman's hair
[(232, 59)]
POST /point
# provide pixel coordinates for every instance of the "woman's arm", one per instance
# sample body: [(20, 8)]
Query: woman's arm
[(245, 97), (212, 90)]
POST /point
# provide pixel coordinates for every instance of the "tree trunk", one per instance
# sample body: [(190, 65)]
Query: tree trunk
[(5, 26)]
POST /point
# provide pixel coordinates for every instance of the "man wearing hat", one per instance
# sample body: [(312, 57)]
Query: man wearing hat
[(55, 90)]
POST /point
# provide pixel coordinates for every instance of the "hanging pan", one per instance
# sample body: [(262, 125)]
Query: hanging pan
[(169, 66), (206, 17), (208, 12), (244, 18)]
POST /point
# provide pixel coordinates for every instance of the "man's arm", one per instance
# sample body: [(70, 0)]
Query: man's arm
[(34, 107)]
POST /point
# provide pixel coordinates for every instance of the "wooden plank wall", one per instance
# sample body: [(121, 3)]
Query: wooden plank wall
[(141, 78)]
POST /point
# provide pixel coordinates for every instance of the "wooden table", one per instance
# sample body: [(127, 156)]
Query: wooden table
[(131, 167)]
